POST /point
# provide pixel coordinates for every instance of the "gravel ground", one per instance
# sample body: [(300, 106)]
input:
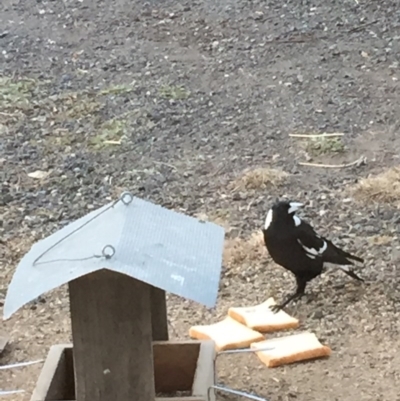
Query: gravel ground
[(173, 101)]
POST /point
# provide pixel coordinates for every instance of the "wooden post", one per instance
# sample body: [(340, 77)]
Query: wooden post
[(111, 330), (159, 320)]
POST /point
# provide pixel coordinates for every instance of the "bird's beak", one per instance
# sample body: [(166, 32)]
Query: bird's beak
[(294, 206)]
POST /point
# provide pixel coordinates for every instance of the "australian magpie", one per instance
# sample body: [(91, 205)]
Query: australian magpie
[(294, 245)]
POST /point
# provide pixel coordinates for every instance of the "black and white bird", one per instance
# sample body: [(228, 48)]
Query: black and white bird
[(294, 245)]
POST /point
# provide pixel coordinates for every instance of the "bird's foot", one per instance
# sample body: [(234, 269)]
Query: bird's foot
[(276, 308)]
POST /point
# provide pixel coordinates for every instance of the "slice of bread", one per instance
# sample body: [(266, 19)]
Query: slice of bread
[(289, 349), (227, 334), (261, 318)]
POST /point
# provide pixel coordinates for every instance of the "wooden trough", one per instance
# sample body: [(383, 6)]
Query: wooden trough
[(181, 368), (121, 350)]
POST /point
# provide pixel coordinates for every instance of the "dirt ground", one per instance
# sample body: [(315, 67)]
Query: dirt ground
[(175, 101)]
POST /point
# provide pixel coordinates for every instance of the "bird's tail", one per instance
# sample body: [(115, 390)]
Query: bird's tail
[(350, 273), (338, 256), (352, 257)]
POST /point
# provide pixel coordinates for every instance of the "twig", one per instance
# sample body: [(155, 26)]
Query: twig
[(8, 114), (316, 135), (250, 204), (166, 164), (294, 40), (110, 142), (362, 26), (305, 39), (356, 162), (217, 171)]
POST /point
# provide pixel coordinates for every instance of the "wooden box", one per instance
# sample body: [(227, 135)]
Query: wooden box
[(183, 371)]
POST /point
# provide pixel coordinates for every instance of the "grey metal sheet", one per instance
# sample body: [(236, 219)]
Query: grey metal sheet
[(172, 251), (161, 247)]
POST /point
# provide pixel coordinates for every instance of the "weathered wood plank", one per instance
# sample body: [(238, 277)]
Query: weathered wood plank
[(111, 330), (159, 320)]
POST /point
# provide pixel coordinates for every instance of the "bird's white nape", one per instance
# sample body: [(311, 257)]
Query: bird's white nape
[(268, 219), (297, 220), (294, 206)]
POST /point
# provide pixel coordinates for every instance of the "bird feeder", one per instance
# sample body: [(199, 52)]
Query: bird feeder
[(118, 262)]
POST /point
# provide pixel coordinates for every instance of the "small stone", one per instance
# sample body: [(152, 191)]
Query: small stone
[(318, 315)]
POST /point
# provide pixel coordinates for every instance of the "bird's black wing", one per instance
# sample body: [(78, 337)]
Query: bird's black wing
[(316, 246), (313, 244)]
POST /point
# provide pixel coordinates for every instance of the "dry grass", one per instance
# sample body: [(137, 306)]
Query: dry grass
[(259, 178), (380, 240), (238, 251), (384, 187), (117, 191), (219, 216)]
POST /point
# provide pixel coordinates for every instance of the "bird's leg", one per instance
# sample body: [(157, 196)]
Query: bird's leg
[(300, 289)]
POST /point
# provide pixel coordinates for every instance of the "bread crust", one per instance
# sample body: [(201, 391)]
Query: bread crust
[(227, 334), (290, 349), (261, 318)]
